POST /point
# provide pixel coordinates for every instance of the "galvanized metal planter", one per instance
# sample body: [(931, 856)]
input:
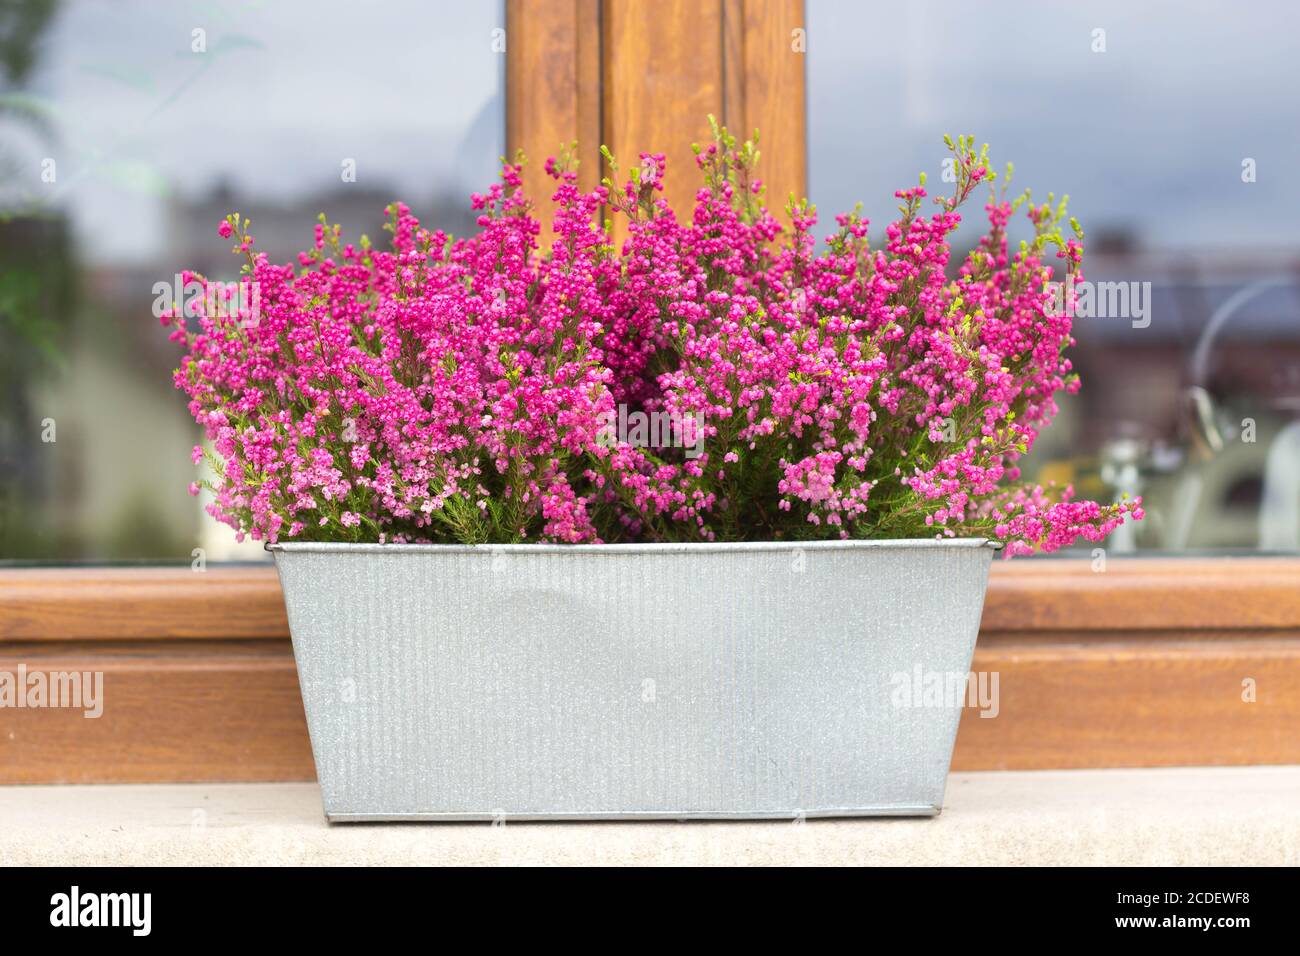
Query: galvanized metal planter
[(528, 682)]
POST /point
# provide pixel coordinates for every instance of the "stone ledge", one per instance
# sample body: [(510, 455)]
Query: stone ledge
[(1230, 816)]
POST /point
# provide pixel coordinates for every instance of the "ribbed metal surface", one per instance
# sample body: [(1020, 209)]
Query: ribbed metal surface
[(550, 682)]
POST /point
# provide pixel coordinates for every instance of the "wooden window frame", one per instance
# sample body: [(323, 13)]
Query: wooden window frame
[(1139, 665), (1151, 662), (646, 76)]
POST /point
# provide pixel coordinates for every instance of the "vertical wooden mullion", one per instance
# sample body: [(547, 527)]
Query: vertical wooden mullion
[(662, 79), (644, 76), (590, 107), (733, 68), (766, 89), (553, 90)]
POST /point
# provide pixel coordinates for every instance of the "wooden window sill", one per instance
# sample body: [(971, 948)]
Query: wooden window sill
[(1145, 664)]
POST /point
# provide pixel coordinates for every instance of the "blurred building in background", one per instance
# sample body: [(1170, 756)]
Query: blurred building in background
[(1192, 410), (127, 131), (1173, 129)]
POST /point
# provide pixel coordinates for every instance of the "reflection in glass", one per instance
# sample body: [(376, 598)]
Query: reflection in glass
[(127, 131), (1174, 128)]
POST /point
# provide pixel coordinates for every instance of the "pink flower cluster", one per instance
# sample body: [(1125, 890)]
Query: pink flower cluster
[(460, 390)]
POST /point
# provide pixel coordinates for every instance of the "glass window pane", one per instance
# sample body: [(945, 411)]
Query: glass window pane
[(127, 130), (1174, 128)]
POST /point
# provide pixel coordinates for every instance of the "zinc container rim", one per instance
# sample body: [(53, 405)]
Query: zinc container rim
[(704, 547)]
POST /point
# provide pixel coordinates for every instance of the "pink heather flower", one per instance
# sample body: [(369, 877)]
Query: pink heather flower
[(461, 390)]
